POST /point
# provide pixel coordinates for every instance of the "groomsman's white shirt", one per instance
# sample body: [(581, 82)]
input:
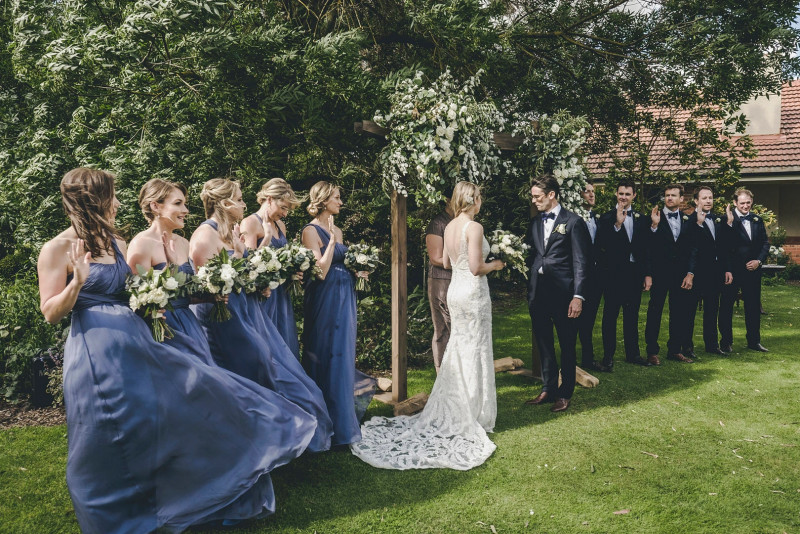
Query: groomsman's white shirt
[(710, 223), (674, 223), (628, 225), (745, 223), (591, 224)]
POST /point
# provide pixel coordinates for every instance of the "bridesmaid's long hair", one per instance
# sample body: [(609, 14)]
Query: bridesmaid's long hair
[(156, 190), (318, 195), (217, 196), (88, 199), (278, 189)]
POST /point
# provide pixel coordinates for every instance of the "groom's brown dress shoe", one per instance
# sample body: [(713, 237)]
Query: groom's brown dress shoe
[(653, 359), (560, 405), (541, 399)]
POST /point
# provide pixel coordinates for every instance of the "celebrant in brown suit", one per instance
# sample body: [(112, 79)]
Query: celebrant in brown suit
[(438, 281)]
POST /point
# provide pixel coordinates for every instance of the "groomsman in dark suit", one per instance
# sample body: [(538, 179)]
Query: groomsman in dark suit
[(622, 243), (709, 265), (749, 246), (594, 290), (557, 260), (670, 248)]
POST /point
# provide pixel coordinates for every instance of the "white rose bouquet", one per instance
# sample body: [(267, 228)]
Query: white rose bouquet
[(151, 291), (509, 248), (264, 270), (361, 257), (220, 276), (296, 259)]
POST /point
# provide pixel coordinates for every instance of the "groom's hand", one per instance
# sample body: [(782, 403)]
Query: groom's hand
[(575, 308)]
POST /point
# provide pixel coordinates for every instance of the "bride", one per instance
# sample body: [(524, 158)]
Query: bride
[(451, 430)]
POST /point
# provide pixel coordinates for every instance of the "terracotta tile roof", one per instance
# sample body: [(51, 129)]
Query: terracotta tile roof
[(776, 152)]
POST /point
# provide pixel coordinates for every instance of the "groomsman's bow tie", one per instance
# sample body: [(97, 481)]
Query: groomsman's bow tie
[(673, 215), (629, 213), (748, 217), (546, 216)]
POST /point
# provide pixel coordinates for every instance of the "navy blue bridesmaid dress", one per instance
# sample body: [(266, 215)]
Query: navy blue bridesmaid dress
[(189, 335), (249, 345), (278, 307), (329, 346), (157, 439)]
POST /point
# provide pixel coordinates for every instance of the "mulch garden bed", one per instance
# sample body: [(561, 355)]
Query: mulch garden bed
[(23, 414)]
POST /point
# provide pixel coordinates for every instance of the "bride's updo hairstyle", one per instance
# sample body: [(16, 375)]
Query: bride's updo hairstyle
[(278, 189), (217, 196), (318, 195), (88, 199), (464, 195), (156, 190)]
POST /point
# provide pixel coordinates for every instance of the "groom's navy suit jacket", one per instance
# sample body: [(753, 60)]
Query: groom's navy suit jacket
[(565, 259)]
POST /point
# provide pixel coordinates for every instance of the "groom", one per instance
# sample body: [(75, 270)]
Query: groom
[(558, 263)]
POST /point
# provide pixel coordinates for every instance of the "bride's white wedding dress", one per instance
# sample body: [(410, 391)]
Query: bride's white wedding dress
[(451, 430)]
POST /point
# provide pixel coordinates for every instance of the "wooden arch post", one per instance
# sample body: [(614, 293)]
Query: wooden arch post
[(399, 231)]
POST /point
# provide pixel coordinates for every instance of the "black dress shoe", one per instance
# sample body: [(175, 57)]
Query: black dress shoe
[(714, 350), (690, 354), (727, 349), (596, 366), (759, 347), (638, 360)]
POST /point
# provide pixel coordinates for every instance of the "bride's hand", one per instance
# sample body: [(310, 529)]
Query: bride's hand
[(499, 265)]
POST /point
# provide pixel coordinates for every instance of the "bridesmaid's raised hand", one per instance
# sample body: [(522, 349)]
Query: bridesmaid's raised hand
[(79, 262), (169, 248), (238, 239), (331, 228)]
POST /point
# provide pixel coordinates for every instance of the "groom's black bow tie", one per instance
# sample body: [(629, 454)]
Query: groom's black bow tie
[(748, 217), (550, 215), (672, 215), (629, 213)]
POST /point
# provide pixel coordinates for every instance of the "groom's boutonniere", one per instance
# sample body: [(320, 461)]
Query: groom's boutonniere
[(716, 220), (685, 217), (635, 215), (561, 229), (755, 219), (596, 215)]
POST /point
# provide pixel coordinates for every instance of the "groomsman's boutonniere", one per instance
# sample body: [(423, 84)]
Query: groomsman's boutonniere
[(755, 219), (685, 217), (596, 215), (635, 215), (716, 220), (561, 229)]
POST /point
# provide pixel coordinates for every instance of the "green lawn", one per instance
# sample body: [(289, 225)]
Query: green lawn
[(708, 447)]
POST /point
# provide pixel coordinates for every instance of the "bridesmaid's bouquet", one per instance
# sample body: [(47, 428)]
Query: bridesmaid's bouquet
[(151, 291), (222, 275), (263, 270), (296, 259), (509, 248), (361, 257)]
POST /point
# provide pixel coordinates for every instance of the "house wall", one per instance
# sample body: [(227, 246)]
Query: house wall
[(784, 200)]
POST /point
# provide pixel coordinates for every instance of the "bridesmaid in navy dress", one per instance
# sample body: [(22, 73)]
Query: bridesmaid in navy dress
[(329, 312), (276, 198), (248, 344), (156, 439), (163, 204)]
